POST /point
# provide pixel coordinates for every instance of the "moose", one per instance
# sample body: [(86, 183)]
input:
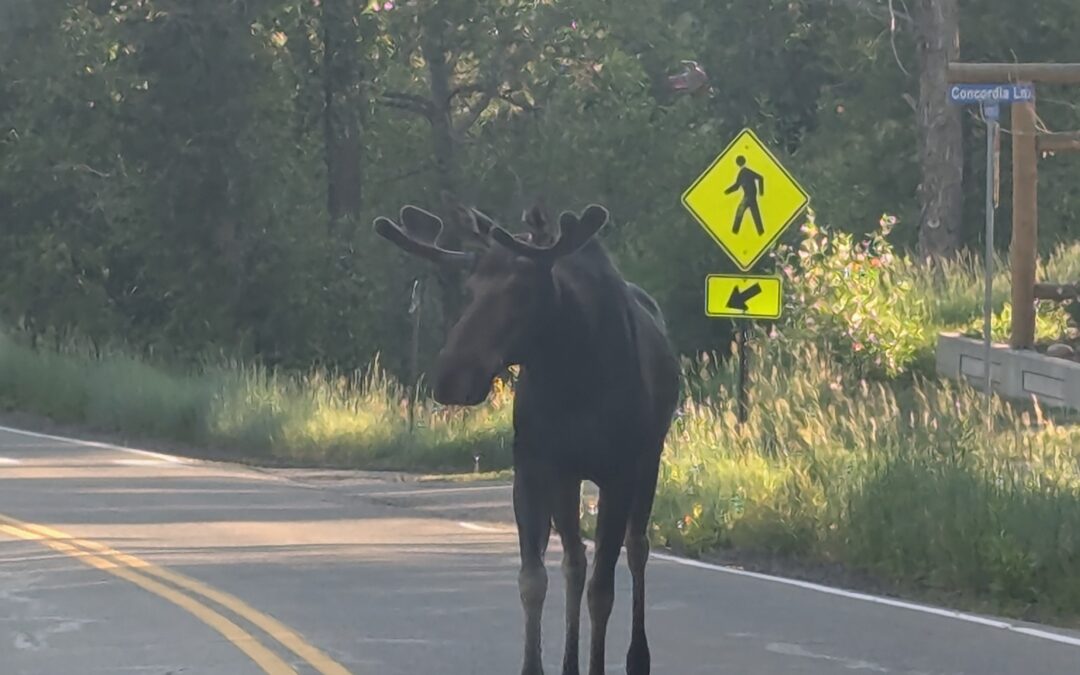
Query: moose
[(597, 390)]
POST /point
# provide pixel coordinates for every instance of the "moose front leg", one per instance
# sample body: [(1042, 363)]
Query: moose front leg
[(532, 512), (566, 512), (614, 507)]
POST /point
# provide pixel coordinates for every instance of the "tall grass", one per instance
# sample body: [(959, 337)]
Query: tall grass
[(913, 488), (246, 412)]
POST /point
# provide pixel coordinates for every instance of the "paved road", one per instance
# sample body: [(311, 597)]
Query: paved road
[(116, 562)]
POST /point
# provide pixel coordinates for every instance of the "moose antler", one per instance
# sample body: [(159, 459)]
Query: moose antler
[(421, 233), (573, 233)]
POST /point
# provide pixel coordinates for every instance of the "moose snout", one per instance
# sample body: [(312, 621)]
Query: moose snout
[(461, 382)]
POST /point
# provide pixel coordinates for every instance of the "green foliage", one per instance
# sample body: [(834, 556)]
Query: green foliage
[(166, 167), (1052, 319), (855, 299), (1051, 322)]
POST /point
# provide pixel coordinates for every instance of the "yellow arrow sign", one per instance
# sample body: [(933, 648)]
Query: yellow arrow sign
[(748, 297), (745, 199)]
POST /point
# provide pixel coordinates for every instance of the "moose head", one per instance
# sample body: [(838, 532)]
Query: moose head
[(509, 284)]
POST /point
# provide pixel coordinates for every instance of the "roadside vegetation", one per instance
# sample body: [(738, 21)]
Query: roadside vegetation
[(853, 453)]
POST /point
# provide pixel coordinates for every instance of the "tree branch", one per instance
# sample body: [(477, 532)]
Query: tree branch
[(410, 102), (876, 10), (471, 88), (402, 175), (524, 105), (474, 112), (84, 168), (892, 37)]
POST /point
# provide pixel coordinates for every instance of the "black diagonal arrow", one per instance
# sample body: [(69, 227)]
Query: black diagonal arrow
[(739, 298)]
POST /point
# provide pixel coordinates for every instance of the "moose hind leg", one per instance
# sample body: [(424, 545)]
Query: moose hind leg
[(638, 659), (533, 515), (566, 513)]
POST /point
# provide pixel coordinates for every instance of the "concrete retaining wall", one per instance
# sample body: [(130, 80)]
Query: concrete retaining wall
[(1014, 373)]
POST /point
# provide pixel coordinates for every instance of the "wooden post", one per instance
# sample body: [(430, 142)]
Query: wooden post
[(1025, 225), (1027, 143), (1057, 292), (1062, 142)]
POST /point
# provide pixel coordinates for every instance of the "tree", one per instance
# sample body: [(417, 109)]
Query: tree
[(941, 154)]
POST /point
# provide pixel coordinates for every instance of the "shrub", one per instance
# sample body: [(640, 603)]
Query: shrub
[(856, 299)]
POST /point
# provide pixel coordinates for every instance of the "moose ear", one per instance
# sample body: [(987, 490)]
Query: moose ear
[(534, 219), (540, 228)]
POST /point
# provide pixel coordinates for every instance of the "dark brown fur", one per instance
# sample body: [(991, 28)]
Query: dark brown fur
[(597, 390)]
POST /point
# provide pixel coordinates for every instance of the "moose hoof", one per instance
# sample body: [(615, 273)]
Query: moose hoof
[(638, 660)]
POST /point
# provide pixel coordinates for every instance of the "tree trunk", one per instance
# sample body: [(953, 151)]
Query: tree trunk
[(341, 112), (446, 167), (442, 123), (938, 123)]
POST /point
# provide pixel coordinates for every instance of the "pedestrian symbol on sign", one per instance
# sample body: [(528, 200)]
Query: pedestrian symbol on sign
[(748, 181)]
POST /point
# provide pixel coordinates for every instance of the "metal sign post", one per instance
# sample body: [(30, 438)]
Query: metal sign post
[(990, 97), (991, 113), (415, 305)]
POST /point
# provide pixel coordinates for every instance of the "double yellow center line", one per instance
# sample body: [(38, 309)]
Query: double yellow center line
[(170, 585)]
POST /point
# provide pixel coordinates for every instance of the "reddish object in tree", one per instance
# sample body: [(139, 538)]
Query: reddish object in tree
[(691, 80)]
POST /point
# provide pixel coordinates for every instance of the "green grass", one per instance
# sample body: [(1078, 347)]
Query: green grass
[(957, 295), (913, 488), (248, 413)]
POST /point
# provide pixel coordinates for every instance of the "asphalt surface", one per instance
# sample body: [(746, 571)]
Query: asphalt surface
[(116, 562)]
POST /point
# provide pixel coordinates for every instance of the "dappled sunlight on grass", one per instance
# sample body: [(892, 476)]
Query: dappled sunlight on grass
[(910, 485), (355, 420)]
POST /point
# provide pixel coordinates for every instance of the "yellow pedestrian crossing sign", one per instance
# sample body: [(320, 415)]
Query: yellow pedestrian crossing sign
[(743, 297), (745, 199)]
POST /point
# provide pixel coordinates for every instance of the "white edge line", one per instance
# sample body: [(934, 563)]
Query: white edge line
[(851, 595), (9, 461), (96, 444), (479, 528)]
